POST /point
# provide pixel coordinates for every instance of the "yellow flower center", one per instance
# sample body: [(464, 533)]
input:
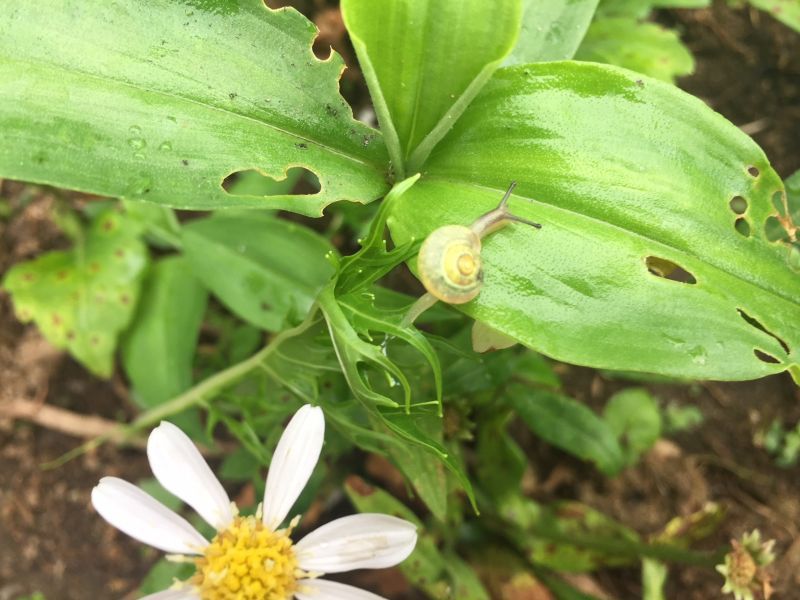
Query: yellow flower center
[(247, 561)]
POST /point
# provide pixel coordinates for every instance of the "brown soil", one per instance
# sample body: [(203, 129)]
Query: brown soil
[(51, 541)]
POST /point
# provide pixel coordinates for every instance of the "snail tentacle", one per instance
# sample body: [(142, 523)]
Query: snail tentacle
[(449, 261)]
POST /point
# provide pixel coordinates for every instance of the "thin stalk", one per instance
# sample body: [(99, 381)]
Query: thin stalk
[(203, 391)]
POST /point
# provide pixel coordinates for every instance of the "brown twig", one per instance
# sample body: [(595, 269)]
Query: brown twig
[(65, 421)]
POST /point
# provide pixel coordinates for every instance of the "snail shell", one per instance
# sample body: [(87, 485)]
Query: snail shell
[(449, 264)]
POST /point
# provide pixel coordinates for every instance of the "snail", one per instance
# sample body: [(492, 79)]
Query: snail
[(449, 260)]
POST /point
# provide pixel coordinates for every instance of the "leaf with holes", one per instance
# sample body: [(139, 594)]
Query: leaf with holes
[(162, 101), (551, 30), (81, 299), (423, 65), (266, 270), (640, 264), (642, 47)]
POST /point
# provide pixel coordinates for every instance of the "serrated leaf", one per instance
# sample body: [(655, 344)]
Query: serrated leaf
[(569, 425), (266, 270), (423, 66), (424, 428), (551, 30), (81, 299), (162, 101), (622, 171), (158, 352), (646, 48)]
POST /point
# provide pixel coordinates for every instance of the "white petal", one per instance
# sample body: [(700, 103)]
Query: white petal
[(366, 541), (295, 458), (187, 594), (144, 518), (179, 467), (319, 589)]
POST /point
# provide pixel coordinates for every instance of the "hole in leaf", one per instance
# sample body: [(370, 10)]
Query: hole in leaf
[(753, 170), (251, 182), (661, 267), (738, 205), (778, 202), (757, 324), (742, 227), (774, 230), (764, 357)]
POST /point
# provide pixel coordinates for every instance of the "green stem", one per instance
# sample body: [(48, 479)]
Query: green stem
[(203, 391)]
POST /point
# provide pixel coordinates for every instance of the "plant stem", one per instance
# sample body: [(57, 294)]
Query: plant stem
[(203, 391)]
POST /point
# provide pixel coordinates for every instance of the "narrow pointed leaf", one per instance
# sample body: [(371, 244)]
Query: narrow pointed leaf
[(163, 100), (158, 352), (644, 261), (426, 59)]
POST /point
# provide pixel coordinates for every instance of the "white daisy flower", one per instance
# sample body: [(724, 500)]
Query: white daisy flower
[(250, 558)]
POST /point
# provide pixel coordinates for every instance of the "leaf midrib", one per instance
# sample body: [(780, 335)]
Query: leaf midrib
[(498, 192), (146, 90)]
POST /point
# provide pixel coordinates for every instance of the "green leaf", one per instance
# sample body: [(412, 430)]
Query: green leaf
[(654, 577), (426, 475), (424, 428), (159, 223), (569, 425), (266, 270), (497, 448), (465, 583), (163, 101), (370, 313), (627, 175), (635, 419), (423, 64), (158, 352), (640, 9), (568, 536), (793, 197), (642, 47), (81, 299), (551, 30), (425, 567), (786, 11), (163, 574)]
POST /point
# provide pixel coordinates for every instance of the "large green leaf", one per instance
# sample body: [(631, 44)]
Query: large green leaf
[(158, 352), (643, 47), (266, 270), (82, 298), (424, 60), (630, 177), (551, 30), (163, 100)]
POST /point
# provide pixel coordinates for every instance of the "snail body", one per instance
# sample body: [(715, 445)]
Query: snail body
[(449, 261)]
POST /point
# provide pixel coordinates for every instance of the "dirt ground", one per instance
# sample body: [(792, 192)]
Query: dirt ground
[(52, 542)]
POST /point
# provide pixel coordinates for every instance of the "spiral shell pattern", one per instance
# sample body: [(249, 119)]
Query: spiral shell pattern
[(449, 264)]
